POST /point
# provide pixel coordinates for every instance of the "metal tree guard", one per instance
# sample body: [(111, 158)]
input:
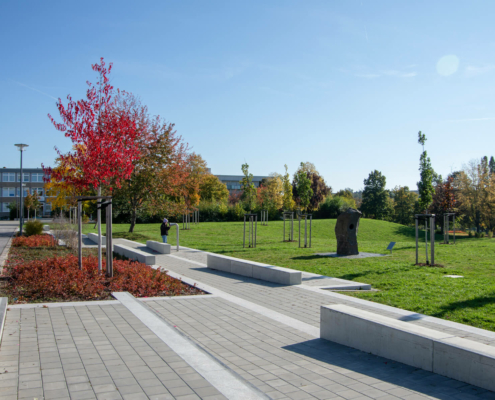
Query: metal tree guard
[(446, 230), (289, 217), (252, 230), (305, 217), (186, 219), (264, 217), (109, 246), (426, 217), (196, 217)]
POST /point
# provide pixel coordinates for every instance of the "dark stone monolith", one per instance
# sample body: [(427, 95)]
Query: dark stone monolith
[(346, 232)]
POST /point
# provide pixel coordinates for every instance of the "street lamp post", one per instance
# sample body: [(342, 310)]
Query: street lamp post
[(21, 218)]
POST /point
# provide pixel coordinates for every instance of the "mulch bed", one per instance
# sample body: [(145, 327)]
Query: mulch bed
[(51, 274)]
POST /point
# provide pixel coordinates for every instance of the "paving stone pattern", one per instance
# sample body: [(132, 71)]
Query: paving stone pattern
[(91, 352), (288, 364), (293, 301)]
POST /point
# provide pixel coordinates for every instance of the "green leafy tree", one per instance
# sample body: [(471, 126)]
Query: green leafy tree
[(212, 189), (302, 191), (425, 185), (248, 188), (404, 202), (491, 164), (319, 188), (288, 199), (376, 202)]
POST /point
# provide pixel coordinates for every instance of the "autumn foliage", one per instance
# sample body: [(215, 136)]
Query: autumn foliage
[(60, 278), (34, 241), (104, 137)]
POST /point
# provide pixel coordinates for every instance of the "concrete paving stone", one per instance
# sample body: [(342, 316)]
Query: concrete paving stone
[(9, 382), (75, 372), (188, 397), (104, 388), (179, 390), (9, 390), (109, 396), (149, 382), (155, 390), (77, 387), (130, 389), (56, 394), (54, 385), (135, 396)]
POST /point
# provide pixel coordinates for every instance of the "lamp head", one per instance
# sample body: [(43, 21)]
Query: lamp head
[(21, 146)]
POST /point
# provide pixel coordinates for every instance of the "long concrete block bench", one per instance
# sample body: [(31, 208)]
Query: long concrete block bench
[(428, 349), (94, 238), (134, 254), (163, 248), (253, 269)]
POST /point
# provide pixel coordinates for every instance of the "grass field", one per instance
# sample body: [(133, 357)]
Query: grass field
[(470, 300)]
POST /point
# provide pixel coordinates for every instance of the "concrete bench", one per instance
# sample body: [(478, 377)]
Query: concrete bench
[(253, 269), (428, 349), (163, 248), (134, 254), (94, 238)]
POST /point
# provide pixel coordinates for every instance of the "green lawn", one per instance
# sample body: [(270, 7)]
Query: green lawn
[(470, 300)]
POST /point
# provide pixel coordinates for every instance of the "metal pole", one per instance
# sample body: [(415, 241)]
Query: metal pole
[(310, 223), (299, 217), (305, 230), (284, 229), (22, 206), (453, 223), (79, 233), (426, 239), (109, 241), (244, 235), (432, 238), (417, 239), (255, 230), (98, 216)]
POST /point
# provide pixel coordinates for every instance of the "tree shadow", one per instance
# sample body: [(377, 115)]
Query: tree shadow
[(393, 372), (477, 302)]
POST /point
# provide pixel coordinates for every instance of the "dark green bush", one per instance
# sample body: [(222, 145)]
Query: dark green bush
[(34, 227)]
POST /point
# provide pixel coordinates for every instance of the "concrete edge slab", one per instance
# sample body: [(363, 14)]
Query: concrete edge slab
[(3, 312), (225, 380), (274, 315), (367, 303), (5, 252)]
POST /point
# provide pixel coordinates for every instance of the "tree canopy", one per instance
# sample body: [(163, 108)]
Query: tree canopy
[(375, 202)]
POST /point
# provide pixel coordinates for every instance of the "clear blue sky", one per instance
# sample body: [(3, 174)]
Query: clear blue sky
[(346, 85)]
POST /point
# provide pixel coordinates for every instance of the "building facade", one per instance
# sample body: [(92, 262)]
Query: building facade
[(233, 182), (32, 181)]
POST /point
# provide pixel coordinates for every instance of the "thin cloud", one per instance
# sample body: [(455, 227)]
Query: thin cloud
[(368, 76), (36, 90), (472, 70), (399, 74), (471, 119)]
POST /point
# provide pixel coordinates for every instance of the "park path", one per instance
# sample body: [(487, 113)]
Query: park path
[(7, 229), (265, 334)]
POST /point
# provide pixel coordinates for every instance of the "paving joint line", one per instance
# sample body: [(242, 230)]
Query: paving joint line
[(224, 379)]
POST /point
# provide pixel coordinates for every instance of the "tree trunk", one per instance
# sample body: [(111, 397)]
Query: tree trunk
[(133, 220), (98, 216)]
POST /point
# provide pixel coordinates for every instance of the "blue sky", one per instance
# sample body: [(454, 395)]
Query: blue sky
[(346, 85)]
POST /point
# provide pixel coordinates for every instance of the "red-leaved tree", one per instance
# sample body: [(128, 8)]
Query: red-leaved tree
[(104, 137)]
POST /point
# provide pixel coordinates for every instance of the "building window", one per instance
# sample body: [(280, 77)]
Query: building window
[(5, 207), (8, 192), (8, 176), (47, 209), (37, 190), (38, 177), (25, 192), (26, 177)]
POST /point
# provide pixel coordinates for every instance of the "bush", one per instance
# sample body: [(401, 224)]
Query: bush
[(34, 241), (333, 206), (61, 278), (470, 234), (85, 219), (490, 234), (33, 228)]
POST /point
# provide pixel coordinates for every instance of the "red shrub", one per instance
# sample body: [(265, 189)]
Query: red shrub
[(34, 241), (60, 278)]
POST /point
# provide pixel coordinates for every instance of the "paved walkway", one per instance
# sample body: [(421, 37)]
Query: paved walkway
[(7, 229), (255, 329)]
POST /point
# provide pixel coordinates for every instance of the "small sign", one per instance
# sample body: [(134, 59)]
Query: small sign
[(391, 246)]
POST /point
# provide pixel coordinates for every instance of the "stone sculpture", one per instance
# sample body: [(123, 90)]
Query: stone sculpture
[(346, 232)]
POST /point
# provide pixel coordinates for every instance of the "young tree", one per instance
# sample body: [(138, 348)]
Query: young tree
[(271, 193), (491, 164), (375, 198), (28, 203), (288, 200), (104, 139), (404, 201), (319, 188), (425, 185), (212, 189), (302, 191), (248, 188)]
